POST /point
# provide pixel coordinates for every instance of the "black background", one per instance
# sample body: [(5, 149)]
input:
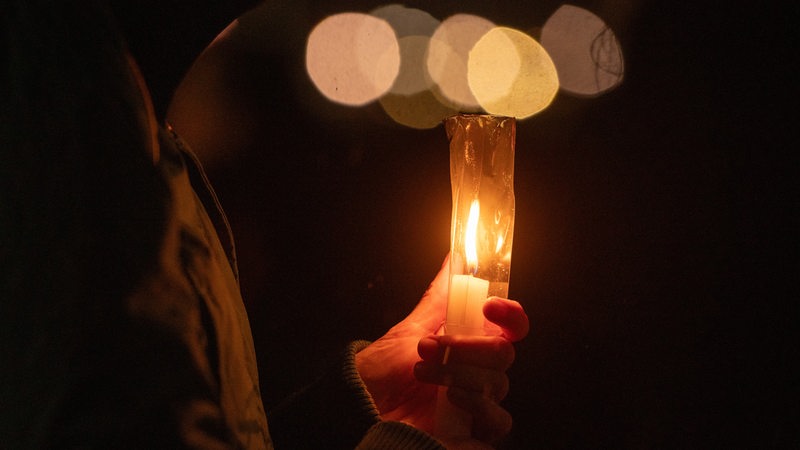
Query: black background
[(655, 247)]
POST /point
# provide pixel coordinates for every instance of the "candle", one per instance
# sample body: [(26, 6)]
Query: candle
[(467, 292), (466, 296), (465, 305), (481, 176)]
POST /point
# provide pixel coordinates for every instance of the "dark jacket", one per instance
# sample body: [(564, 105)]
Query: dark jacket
[(122, 321)]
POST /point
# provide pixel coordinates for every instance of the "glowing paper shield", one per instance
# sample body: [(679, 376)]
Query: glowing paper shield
[(482, 226), (482, 230)]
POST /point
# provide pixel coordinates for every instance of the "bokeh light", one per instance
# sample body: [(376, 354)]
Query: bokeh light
[(422, 110), (421, 69), (413, 28), (410, 101), (407, 21), (510, 74), (412, 77), (447, 58), (585, 51), (353, 58)]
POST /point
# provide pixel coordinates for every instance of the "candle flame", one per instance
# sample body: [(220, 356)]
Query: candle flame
[(470, 241)]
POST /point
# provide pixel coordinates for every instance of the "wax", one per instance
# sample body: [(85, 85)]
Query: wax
[(465, 305)]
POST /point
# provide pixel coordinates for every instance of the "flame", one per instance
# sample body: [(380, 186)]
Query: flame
[(470, 240)]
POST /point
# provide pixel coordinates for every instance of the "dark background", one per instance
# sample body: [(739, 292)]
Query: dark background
[(655, 248)]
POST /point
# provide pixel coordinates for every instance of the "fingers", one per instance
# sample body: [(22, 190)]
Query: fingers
[(490, 352), (474, 363), (473, 367), (509, 316), (488, 383), (475, 389), (490, 421)]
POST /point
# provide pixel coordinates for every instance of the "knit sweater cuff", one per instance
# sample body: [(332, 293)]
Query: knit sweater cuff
[(337, 412), (399, 436), (355, 384), (332, 413), (395, 435)]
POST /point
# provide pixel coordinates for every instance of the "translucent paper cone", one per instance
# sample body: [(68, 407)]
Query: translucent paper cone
[(482, 231)]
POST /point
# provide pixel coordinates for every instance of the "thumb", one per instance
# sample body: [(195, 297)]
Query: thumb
[(430, 312)]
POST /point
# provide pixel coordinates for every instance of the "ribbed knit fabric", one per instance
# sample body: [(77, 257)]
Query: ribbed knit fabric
[(397, 436), (334, 412), (337, 412), (355, 384)]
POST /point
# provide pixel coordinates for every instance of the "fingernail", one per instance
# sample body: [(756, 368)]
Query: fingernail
[(429, 346), (446, 355)]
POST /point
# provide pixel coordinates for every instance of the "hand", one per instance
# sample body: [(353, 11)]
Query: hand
[(405, 387)]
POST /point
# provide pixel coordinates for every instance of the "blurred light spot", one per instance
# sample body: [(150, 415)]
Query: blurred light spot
[(447, 58), (352, 58), (412, 77), (510, 74), (407, 21), (410, 101), (413, 28), (422, 110), (585, 51), (492, 67)]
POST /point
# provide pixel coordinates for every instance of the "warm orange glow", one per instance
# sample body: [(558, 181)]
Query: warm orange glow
[(499, 246), (471, 237)]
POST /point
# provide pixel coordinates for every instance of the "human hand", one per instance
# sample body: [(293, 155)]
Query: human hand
[(405, 387)]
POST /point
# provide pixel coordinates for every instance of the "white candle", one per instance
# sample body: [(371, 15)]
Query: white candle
[(465, 305)]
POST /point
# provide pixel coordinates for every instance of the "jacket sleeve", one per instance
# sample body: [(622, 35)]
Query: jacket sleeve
[(337, 412)]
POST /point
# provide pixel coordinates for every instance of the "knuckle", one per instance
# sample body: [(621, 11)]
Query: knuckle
[(505, 353), (502, 388), (496, 424)]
